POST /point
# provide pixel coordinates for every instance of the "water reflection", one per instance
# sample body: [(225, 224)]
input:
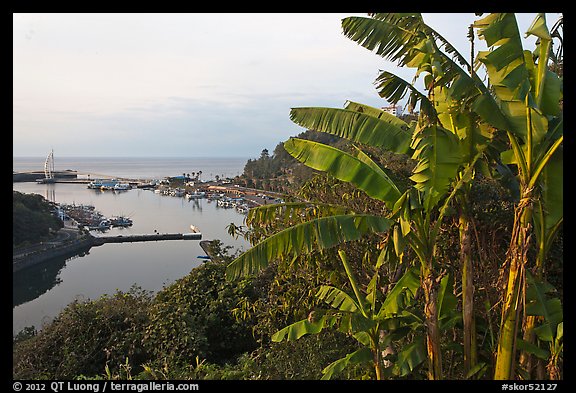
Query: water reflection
[(32, 282)]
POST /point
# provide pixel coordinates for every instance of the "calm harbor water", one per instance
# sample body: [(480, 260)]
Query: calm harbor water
[(41, 292)]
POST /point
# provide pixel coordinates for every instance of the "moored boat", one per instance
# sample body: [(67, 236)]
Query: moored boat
[(195, 195), (122, 187), (120, 221)]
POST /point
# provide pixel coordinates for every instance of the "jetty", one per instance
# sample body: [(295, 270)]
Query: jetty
[(99, 240), (72, 241)]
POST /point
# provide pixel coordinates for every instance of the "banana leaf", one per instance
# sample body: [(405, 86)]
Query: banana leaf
[(384, 131), (298, 329), (363, 355), (538, 303), (401, 294), (337, 298), (317, 234), (377, 113), (292, 211), (448, 315), (345, 167), (394, 88), (439, 157), (410, 357)]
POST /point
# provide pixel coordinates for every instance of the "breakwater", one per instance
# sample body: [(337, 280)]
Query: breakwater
[(36, 255), (36, 175), (40, 253), (99, 240)]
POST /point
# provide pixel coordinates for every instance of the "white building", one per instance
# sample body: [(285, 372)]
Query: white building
[(393, 109)]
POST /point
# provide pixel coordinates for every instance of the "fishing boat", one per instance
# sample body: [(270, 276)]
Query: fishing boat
[(103, 225), (120, 221)]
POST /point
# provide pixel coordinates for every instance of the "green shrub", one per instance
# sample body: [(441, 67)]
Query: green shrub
[(193, 317), (84, 337)]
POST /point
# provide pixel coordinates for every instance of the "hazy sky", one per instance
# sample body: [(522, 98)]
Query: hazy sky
[(202, 85)]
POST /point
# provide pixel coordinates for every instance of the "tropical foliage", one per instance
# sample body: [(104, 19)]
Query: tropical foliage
[(459, 136)]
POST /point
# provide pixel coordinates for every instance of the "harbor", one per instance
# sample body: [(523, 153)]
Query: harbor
[(151, 249)]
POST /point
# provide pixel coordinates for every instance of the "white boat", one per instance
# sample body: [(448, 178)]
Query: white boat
[(122, 186), (195, 195), (99, 184)]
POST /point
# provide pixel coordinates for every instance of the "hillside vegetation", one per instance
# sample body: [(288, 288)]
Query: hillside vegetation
[(32, 219)]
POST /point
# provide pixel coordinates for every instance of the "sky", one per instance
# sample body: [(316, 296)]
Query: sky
[(190, 85)]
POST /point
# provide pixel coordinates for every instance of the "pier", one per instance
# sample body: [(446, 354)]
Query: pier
[(99, 240), (70, 241)]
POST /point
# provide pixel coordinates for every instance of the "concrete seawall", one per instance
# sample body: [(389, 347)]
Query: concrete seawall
[(24, 260), (37, 255)]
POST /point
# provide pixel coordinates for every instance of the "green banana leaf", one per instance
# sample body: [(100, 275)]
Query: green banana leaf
[(552, 192), (538, 303), (448, 315), (386, 39), (401, 294), (439, 156), (345, 167), (511, 70), (317, 234), (368, 161), (298, 329), (394, 88), (532, 349), (410, 357), (384, 131), (337, 298), (363, 355), (377, 113)]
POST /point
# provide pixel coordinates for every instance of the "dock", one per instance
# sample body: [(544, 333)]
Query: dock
[(99, 240)]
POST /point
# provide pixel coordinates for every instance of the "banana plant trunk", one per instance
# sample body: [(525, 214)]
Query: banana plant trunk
[(529, 363), (517, 257), (429, 285), (470, 352)]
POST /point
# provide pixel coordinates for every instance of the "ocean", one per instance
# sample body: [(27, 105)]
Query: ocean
[(42, 291), (138, 167)]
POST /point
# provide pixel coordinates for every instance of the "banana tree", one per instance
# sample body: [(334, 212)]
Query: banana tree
[(529, 98), (439, 158), (365, 314), (453, 88), (406, 39)]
